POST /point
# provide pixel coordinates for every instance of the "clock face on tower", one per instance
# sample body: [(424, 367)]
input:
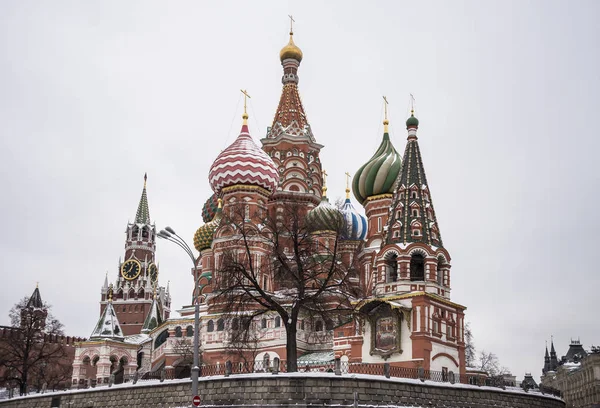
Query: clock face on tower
[(153, 271), (131, 269)]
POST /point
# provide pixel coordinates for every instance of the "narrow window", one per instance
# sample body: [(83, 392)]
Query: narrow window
[(278, 321), (392, 268), (210, 326), (220, 325), (378, 224), (417, 267)]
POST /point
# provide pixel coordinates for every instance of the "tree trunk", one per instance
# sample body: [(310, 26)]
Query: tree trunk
[(290, 348)]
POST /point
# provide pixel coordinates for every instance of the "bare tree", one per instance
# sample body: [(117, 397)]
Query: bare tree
[(33, 356), (489, 362), (285, 263), (244, 340), (183, 348)]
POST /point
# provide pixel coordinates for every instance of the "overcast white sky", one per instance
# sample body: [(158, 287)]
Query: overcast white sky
[(94, 94)]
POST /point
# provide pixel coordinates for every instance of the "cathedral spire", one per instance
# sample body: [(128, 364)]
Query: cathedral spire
[(35, 301), (290, 141), (142, 216), (412, 217), (290, 118)]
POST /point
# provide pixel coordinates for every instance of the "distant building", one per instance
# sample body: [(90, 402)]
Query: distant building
[(129, 309), (50, 353), (576, 375)]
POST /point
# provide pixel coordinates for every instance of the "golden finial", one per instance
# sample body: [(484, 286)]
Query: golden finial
[(37, 285), (324, 173), (412, 105), (145, 178), (385, 118), (110, 293), (245, 115), (291, 50), (219, 203), (348, 185)]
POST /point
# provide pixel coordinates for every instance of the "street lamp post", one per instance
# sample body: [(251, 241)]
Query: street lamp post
[(169, 234)]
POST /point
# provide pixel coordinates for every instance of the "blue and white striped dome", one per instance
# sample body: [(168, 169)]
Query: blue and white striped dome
[(355, 224)]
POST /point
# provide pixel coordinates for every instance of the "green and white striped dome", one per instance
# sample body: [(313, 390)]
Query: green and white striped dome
[(378, 175)]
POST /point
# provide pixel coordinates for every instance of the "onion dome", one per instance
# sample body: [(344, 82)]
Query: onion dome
[(203, 237), (243, 162), (324, 217), (291, 50), (378, 175), (355, 224), (210, 208), (412, 121)]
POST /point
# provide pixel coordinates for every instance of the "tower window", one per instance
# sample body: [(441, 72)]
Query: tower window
[(414, 212), (392, 269), (417, 267), (220, 325), (178, 332), (263, 323), (413, 194), (378, 224), (278, 321), (319, 326), (210, 326)]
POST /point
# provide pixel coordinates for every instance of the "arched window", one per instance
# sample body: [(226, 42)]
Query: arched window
[(266, 361), (161, 338), (391, 267), (417, 267), (263, 323), (235, 324), (145, 232), (440, 272), (210, 326), (319, 325), (220, 324), (178, 332), (413, 194), (278, 321), (189, 331), (134, 233)]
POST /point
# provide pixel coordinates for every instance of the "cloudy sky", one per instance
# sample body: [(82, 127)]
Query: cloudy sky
[(94, 94)]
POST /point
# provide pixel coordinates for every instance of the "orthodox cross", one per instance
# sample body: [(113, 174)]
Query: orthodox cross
[(292, 21), (246, 97), (348, 175), (412, 103), (385, 107)]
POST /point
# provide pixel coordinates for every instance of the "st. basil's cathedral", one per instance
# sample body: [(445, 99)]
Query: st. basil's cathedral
[(405, 316)]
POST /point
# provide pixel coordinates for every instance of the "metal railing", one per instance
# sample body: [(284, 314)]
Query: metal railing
[(334, 366)]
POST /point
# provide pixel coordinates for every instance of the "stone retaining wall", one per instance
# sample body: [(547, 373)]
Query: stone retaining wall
[(297, 390)]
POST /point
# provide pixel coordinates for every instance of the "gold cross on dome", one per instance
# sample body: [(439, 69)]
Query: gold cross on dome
[(385, 106), (292, 21), (246, 97), (348, 180)]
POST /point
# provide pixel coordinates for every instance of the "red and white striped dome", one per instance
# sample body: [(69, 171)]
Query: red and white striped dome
[(243, 162)]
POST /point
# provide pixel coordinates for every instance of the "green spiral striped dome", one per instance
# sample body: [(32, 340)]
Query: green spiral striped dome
[(203, 237), (324, 217), (378, 175)]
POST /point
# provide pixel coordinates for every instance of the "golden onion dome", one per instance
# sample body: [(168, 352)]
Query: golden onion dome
[(291, 50)]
